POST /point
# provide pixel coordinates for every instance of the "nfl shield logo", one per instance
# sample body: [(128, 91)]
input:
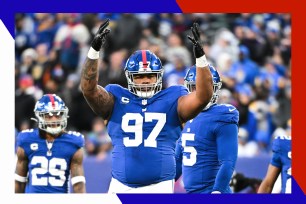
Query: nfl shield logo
[(144, 102)]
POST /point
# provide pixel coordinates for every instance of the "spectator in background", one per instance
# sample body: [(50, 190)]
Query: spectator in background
[(244, 69), (179, 24), (24, 101), (177, 73), (224, 63), (246, 148), (23, 39), (126, 33), (113, 73), (52, 70), (262, 132), (246, 117), (45, 28), (285, 46), (255, 43), (70, 41), (28, 61), (269, 76), (70, 93), (258, 25), (165, 25), (225, 96), (225, 42), (281, 107), (98, 141), (52, 86), (245, 19), (41, 63), (176, 48)]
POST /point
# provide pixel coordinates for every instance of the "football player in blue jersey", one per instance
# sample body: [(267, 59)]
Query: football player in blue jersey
[(279, 164), (144, 121), (47, 157), (207, 150)]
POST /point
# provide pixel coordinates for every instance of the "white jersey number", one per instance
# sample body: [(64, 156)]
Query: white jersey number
[(58, 177), (288, 182), (193, 152), (137, 128)]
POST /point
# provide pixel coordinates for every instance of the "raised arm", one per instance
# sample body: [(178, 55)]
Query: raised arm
[(77, 172), (100, 101), (21, 171), (190, 105)]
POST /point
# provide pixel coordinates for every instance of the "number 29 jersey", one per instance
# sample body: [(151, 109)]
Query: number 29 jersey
[(144, 134), (49, 173)]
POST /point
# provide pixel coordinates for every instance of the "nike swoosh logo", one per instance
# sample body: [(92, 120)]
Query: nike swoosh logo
[(231, 110)]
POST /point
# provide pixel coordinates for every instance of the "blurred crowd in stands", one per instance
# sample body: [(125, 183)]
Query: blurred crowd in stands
[(252, 52)]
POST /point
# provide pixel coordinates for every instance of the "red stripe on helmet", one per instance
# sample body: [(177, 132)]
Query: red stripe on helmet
[(144, 59), (52, 100)]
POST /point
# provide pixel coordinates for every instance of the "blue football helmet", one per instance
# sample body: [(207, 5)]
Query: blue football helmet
[(190, 82), (144, 62), (48, 106)]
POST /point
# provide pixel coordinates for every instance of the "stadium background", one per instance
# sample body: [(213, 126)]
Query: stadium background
[(252, 52)]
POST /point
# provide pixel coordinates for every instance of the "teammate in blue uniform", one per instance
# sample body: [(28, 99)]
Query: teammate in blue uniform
[(144, 121), (49, 156), (280, 164), (206, 153)]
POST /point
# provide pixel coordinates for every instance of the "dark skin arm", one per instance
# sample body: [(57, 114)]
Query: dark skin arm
[(100, 101), (267, 184), (21, 170), (192, 104), (76, 168)]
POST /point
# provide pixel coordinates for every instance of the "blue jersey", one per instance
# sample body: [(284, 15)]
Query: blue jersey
[(144, 133), (282, 159), (49, 172), (208, 149)]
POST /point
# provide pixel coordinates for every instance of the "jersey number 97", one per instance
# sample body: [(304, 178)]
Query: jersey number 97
[(137, 128)]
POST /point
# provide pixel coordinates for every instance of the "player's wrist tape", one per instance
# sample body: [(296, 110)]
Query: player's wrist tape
[(21, 178), (201, 62), (78, 179), (216, 192), (93, 54)]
